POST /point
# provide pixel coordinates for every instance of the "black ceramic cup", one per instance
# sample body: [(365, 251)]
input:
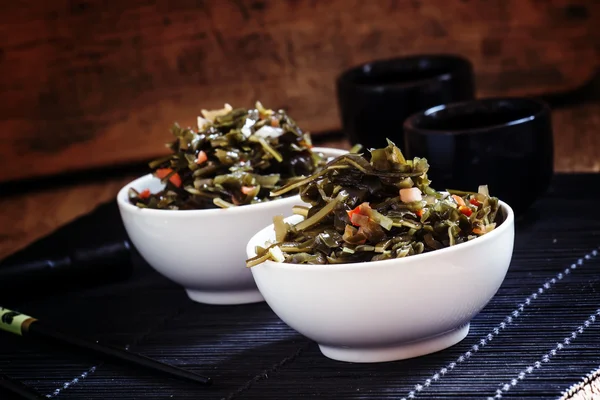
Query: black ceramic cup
[(505, 143), (375, 98)]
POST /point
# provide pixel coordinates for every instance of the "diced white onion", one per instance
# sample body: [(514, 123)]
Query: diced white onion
[(246, 131), (411, 194), (268, 131)]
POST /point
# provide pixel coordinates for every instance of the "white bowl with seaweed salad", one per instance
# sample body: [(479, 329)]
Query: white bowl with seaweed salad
[(381, 266), (191, 217)]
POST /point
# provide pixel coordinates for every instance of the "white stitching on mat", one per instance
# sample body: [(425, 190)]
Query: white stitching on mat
[(136, 341), (72, 382), (508, 320), (503, 388)]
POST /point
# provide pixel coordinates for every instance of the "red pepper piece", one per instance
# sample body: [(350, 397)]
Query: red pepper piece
[(465, 210)]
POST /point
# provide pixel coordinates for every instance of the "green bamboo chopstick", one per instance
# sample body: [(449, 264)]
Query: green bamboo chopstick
[(27, 326)]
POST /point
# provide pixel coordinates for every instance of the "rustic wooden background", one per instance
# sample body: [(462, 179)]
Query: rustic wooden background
[(94, 83), (89, 83)]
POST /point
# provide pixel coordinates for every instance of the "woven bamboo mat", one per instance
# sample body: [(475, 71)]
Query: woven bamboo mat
[(538, 337)]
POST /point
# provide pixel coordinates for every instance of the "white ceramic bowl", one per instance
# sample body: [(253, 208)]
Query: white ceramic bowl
[(202, 250), (392, 309)]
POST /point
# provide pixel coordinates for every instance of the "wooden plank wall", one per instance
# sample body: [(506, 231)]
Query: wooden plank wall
[(89, 83)]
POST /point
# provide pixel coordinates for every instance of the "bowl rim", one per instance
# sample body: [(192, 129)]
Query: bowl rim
[(411, 123), (507, 224), (454, 63), (123, 197)]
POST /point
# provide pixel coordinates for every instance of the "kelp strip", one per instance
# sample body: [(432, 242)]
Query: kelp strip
[(234, 157), (377, 208)]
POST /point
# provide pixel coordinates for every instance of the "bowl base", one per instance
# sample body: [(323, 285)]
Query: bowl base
[(229, 297), (398, 351)]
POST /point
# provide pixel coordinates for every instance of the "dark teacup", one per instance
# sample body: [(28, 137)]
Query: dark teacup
[(505, 143), (375, 98)]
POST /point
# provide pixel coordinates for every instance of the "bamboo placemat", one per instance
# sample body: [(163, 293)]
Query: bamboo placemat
[(538, 336)]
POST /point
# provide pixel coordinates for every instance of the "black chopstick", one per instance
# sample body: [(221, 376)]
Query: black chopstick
[(10, 388), (82, 267), (24, 325)]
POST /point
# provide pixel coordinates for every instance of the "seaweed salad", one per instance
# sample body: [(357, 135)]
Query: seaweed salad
[(234, 157), (375, 209)]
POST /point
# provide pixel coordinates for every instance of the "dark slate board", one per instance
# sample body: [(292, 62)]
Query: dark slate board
[(539, 335)]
